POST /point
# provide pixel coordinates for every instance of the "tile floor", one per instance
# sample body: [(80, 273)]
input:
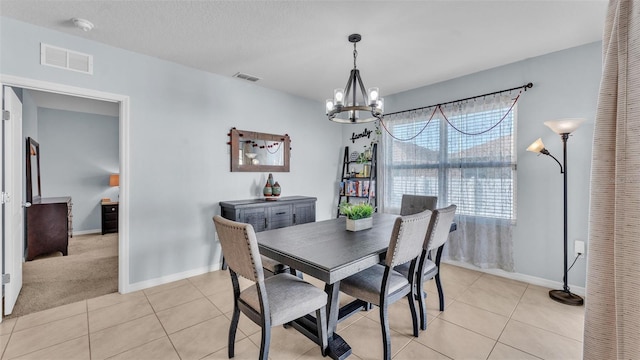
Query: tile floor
[(486, 317)]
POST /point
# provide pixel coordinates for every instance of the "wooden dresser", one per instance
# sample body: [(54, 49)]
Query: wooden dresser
[(109, 217), (49, 225)]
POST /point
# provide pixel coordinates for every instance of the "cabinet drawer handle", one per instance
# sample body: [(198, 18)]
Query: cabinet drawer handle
[(281, 213)]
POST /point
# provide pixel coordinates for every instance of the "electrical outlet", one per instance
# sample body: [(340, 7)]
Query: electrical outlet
[(579, 248)]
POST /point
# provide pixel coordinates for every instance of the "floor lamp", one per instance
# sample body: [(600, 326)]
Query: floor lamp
[(563, 128)]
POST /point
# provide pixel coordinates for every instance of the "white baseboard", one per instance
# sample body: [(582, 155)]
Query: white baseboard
[(497, 272), (173, 277), (85, 232), (519, 277)]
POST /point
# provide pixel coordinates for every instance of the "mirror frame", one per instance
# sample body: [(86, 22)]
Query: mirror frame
[(31, 197), (235, 136)]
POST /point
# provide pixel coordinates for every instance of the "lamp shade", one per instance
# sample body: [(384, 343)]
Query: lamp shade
[(114, 180), (564, 126), (536, 147)]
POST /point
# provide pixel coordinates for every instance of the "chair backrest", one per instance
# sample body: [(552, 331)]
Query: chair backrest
[(240, 248), (407, 238), (413, 204), (439, 227)]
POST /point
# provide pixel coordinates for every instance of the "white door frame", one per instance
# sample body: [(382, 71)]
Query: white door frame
[(123, 223)]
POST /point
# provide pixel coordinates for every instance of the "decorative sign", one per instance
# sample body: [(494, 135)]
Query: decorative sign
[(365, 133)]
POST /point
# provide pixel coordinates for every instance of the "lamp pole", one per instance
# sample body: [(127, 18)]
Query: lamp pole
[(565, 296)]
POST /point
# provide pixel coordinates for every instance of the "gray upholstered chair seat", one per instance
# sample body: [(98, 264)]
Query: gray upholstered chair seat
[(366, 284), (289, 298), (430, 269)]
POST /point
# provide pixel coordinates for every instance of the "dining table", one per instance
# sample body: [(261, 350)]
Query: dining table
[(327, 251)]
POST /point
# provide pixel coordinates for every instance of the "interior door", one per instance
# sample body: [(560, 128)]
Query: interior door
[(13, 212)]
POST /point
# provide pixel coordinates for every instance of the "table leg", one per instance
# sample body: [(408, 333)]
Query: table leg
[(338, 348)]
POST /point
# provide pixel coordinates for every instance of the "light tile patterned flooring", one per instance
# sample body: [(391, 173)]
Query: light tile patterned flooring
[(486, 317)]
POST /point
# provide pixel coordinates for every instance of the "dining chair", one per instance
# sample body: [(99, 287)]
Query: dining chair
[(273, 267), (437, 235), (272, 301), (413, 204), (380, 285)]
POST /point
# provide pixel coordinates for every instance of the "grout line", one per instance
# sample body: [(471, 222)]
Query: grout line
[(513, 347), (88, 329), (165, 331), (492, 348)]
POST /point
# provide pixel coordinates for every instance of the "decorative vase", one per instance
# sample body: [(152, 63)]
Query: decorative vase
[(366, 170), (270, 180), (360, 224), (275, 189), (268, 190)]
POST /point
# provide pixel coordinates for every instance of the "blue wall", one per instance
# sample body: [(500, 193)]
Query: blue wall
[(78, 152)]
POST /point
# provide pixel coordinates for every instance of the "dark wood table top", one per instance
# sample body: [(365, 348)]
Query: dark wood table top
[(325, 249)]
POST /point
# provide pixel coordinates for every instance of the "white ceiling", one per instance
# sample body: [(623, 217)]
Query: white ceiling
[(301, 47)]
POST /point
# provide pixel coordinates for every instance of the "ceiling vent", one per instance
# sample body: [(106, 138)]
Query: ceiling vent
[(247, 77), (66, 59)]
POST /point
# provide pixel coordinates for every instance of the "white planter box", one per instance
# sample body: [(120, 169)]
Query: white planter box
[(360, 224)]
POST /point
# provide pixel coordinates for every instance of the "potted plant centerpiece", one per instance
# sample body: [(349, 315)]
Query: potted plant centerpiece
[(358, 215)]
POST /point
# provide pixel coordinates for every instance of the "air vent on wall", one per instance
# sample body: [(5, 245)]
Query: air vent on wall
[(66, 59), (247, 77)]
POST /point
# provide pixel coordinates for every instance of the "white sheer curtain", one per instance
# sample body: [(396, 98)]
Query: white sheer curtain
[(612, 318), (464, 154)]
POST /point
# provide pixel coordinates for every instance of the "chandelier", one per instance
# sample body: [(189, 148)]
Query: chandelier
[(347, 105)]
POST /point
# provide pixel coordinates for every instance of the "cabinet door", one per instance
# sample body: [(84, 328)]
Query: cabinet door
[(280, 216), (256, 217), (304, 212)]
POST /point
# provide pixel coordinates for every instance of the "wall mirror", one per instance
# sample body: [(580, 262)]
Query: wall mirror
[(33, 170), (259, 152)]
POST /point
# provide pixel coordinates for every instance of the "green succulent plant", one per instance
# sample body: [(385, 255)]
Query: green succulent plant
[(356, 211)]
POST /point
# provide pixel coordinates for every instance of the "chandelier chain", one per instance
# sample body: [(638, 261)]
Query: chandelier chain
[(355, 55)]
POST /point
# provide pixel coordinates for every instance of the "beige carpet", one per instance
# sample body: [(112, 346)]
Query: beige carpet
[(90, 270)]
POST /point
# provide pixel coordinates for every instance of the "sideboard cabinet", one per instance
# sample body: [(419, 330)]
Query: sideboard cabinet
[(49, 225), (268, 215)]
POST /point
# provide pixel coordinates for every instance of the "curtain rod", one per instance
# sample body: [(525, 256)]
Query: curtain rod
[(525, 87)]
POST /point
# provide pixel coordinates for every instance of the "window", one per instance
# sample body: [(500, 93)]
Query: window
[(464, 154), (468, 160)]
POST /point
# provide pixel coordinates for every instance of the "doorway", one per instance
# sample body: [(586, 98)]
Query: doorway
[(123, 146)]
